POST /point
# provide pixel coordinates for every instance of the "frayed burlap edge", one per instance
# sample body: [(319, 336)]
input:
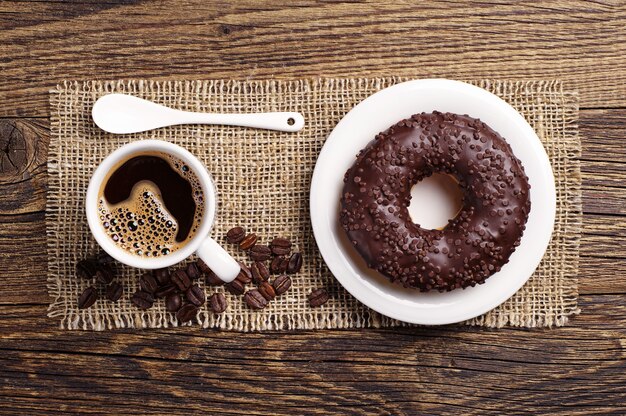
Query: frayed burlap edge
[(548, 299)]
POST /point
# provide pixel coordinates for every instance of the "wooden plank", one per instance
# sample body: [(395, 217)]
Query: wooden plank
[(603, 255), (603, 200), (23, 259), (602, 258), (599, 274), (603, 133), (604, 174), (571, 370), (23, 149), (604, 184), (605, 237), (43, 43), (22, 328)]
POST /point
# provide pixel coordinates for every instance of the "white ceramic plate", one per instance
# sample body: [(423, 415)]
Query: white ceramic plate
[(376, 114)]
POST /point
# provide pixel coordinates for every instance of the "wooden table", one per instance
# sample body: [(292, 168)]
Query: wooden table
[(578, 369)]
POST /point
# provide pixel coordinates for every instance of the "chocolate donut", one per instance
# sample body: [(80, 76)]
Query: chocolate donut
[(473, 245)]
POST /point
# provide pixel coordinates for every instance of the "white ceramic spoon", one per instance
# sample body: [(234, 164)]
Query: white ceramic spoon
[(122, 114)]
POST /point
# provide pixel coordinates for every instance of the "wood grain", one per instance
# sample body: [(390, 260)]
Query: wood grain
[(576, 370), (580, 42), (358, 372), (603, 132)]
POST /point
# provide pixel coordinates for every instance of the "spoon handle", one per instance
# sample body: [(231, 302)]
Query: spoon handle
[(282, 121)]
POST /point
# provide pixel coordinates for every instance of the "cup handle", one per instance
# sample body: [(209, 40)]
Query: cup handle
[(223, 265)]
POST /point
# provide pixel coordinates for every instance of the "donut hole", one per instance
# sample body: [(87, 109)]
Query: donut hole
[(435, 200)]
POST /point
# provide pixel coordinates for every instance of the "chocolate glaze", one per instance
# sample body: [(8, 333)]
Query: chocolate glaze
[(473, 245)]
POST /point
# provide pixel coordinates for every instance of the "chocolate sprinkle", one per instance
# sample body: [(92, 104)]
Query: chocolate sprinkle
[(473, 245)]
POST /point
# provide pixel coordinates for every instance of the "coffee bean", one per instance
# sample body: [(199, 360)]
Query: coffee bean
[(195, 294), (162, 276), (173, 302), (218, 302), (165, 291), (86, 269), (187, 312), (279, 265), (213, 280), (114, 291), (142, 300), (245, 275), (267, 291), (148, 283), (318, 297), (104, 274), (236, 287), (295, 263), (181, 280), (254, 299), (281, 246), (248, 242), (193, 271), (104, 258), (260, 253), (260, 273), (88, 298), (235, 235), (281, 284), (243, 278), (203, 266)]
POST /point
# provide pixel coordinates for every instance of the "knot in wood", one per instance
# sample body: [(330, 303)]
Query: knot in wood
[(13, 149)]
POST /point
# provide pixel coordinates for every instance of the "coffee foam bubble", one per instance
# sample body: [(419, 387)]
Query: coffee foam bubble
[(142, 224)]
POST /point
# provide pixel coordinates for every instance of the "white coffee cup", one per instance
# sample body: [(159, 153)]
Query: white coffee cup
[(222, 264)]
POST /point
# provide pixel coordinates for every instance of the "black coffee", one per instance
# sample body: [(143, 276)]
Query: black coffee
[(151, 204)]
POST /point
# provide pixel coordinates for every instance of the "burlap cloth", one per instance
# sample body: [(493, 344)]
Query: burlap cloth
[(263, 182)]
